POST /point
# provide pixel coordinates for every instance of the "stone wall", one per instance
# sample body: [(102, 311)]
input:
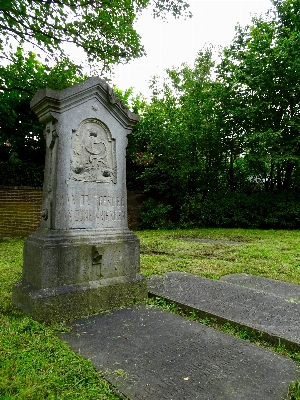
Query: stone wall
[(20, 209)]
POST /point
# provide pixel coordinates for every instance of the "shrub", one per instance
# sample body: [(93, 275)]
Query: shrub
[(21, 173), (241, 210), (155, 215)]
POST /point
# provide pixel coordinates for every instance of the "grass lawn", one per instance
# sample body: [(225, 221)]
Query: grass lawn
[(35, 364)]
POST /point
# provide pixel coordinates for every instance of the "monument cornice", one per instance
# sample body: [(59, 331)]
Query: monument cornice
[(48, 103)]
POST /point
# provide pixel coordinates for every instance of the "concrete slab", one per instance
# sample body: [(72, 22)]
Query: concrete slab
[(148, 353), (272, 315), (288, 291)]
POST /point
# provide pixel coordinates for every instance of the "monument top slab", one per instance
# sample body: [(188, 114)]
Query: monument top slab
[(277, 318), (47, 103)]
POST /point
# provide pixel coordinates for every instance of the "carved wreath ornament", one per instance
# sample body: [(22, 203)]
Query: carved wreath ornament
[(93, 157)]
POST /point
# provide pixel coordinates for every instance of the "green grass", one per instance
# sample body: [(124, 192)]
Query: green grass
[(269, 253), (273, 254), (35, 364)]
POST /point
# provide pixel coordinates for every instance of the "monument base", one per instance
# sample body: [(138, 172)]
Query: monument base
[(68, 274), (78, 300)]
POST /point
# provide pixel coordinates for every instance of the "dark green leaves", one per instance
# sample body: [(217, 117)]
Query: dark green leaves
[(262, 66), (20, 130)]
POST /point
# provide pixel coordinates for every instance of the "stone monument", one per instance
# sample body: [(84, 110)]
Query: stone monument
[(83, 258)]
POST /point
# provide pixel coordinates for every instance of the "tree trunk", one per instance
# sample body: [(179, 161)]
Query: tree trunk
[(288, 176), (278, 179)]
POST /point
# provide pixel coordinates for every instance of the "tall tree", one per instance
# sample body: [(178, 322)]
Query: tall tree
[(20, 131), (177, 144), (103, 28), (262, 68)]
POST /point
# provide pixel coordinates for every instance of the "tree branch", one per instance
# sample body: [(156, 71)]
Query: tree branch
[(12, 88)]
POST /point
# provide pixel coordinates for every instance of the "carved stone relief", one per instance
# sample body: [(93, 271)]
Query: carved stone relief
[(50, 136), (93, 157)]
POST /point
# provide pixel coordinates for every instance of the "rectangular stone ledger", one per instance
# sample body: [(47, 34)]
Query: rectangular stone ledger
[(156, 355), (83, 258), (274, 316)]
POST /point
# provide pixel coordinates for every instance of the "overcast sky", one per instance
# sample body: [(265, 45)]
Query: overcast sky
[(174, 42)]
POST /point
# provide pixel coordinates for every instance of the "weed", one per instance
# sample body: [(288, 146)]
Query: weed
[(121, 372)]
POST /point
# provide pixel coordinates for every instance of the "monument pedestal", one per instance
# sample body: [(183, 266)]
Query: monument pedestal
[(83, 258), (75, 273)]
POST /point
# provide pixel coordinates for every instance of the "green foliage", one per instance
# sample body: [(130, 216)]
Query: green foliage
[(22, 145), (155, 215), (136, 103), (176, 147), (21, 173), (103, 29), (261, 67), (295, 391), (125, 95), (222, 144), (238, 209)]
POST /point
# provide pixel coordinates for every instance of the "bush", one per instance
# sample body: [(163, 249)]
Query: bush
[(21, 173), (241, 210), (155, 215)]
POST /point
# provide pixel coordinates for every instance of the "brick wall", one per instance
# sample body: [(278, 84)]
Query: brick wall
[(20, 209)]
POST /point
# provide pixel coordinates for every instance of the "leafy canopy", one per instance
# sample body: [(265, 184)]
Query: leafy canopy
[(103, 28), (262, 68), (223, 145), (20, 131)]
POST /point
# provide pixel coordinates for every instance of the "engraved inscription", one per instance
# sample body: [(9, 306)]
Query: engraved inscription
[(110, 201), (91, 209), (93, 157)]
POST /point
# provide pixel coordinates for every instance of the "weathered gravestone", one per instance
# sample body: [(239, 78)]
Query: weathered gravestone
[(83, 258)]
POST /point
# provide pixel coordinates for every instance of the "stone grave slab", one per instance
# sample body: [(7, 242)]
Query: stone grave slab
[(288, 291), (273, 316), (148, 353), (212, 241)]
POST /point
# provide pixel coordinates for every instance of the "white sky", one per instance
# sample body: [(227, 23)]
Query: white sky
[(174, 42)]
